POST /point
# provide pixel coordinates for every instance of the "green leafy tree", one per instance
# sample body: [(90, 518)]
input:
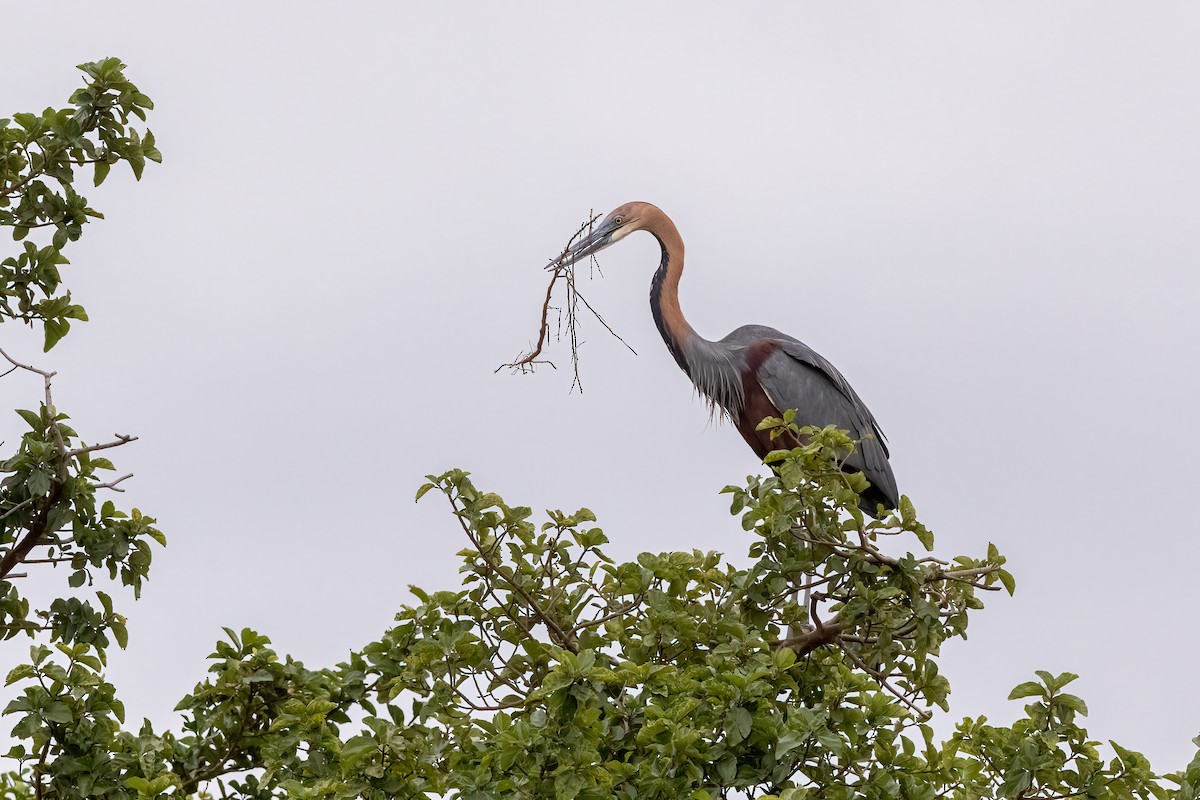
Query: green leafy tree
[(807, 671), (51, 512)]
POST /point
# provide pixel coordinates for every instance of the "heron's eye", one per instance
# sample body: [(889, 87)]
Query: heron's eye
[(617, 221)]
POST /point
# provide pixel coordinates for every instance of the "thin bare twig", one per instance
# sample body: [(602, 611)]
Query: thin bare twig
[(17, 507), (599, 318), (959, 574), (121, 438), (113, 483)]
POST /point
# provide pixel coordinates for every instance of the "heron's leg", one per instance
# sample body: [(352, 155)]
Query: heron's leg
[(793, 630)]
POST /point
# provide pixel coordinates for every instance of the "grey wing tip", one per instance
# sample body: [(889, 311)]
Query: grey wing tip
[(878, 471)]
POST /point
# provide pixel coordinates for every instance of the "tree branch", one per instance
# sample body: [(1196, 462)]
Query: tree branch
[(120, 440), (113, 483), (36, 530), (806, 642), (562, 638)]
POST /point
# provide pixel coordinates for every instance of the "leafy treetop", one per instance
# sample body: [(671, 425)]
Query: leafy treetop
[(39, 154)]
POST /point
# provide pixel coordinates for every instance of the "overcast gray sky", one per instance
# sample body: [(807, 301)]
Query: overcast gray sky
[(984, 214)]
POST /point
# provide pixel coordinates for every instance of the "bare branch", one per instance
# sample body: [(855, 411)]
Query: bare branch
[(17, 507), (959, 574), (806, 642), (599, 318), (121, 438), (18, 365), (113, 483)]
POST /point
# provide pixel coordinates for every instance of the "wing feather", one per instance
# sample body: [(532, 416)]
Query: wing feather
[(796, 376)]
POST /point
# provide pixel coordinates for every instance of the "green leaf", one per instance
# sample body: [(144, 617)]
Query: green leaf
[(120, 633), (1007, 580), (358, 747), (139, 785), (135, 158), (789, 741), (1027, 689), (55, 330), (102, 168), (1056, 682), (57, 711), (18, 673), (738, 723), (39, 483), (33, 418), (1072, 702), (26, 120), (162, 783), (784, 657), (924, 535)]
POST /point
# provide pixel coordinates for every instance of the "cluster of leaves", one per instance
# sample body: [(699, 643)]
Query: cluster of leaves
[(556, 672), (50, 515), (1047, 754), (39, 154)]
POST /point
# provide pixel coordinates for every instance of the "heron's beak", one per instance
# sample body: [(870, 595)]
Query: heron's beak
[(600, 238)]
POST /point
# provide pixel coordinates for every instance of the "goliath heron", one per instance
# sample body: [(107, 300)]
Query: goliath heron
[(754, 372)]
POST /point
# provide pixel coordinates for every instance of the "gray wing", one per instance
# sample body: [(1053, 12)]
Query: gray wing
[(796, 376)]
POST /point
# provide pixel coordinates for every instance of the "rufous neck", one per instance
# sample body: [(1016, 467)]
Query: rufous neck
[(664, 290)]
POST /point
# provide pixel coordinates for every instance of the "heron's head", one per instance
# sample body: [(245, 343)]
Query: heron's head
[(616, 226)]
